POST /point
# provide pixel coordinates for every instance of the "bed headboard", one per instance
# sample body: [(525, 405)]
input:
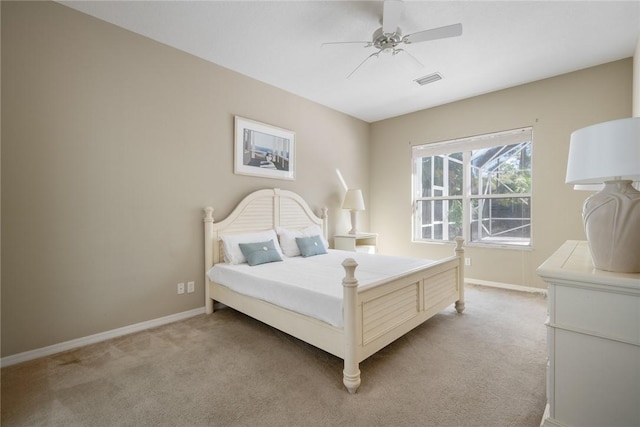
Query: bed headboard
[(261, 210)]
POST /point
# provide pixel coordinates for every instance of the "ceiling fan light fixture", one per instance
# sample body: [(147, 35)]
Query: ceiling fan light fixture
[(388, 37), (425, 80)]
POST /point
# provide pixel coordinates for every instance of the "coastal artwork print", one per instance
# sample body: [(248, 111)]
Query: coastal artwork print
[(263, 150)]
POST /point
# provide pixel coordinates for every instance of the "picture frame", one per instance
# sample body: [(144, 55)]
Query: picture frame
[(263, 150)]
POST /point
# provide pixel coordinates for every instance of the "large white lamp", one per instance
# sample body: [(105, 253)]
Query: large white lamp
[(354, 201), (609, 153)]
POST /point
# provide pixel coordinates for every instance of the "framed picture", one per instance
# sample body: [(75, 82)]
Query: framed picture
[(263, 150)]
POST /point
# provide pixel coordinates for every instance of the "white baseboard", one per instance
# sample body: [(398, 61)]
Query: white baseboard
[(92, 339), (103, 336), (505, 286)]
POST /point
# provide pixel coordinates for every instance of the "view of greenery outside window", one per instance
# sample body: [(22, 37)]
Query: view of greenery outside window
[(478, 188)]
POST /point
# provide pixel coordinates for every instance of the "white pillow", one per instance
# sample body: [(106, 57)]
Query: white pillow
[(314, 230), (230, 244), (288, 239)]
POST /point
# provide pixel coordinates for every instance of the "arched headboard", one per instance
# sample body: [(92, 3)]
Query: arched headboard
[(261, 210)]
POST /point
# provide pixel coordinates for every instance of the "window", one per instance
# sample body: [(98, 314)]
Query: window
[(478, 188)]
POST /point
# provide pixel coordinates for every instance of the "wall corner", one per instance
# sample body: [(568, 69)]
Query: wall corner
[(636, 80)]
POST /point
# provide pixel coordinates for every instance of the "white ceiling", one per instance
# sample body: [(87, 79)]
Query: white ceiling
[(504, 44)]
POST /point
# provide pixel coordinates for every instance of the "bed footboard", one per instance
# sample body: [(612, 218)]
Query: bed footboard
[(375, 317)]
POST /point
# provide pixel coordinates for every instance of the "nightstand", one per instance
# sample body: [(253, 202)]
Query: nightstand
[(361, 242)]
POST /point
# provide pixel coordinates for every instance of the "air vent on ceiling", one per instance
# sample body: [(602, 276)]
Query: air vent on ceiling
[(428, 79)]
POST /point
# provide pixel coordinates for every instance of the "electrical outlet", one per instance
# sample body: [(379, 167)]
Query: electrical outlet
[(467, 261), (191, 287), (180, 288)]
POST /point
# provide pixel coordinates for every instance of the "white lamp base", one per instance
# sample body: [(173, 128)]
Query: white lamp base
[(354, 225), (612, 223)]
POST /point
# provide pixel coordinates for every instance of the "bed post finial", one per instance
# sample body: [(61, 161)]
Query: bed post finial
[(351, 372), (459, 243), (208, 214), (460, 254)]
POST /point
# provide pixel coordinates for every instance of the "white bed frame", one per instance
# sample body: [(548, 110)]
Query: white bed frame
[(373, 317)]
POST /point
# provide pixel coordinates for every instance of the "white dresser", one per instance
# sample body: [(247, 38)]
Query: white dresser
[(593, 340)]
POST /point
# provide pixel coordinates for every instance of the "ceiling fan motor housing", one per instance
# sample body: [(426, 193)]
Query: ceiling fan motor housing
[(387, 41)]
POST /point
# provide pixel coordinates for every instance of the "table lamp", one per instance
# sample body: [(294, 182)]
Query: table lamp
[(609, 153), (353, 200)]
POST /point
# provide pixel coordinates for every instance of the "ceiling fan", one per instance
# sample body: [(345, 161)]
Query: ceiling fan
[(388, 37)]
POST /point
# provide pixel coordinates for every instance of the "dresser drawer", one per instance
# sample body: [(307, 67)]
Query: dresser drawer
[(597, 381), (606, 314)]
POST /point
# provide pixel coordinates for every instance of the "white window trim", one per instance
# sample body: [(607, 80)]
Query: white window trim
[(466, 145)]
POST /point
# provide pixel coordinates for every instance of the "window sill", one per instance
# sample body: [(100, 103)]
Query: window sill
[(523, 248)]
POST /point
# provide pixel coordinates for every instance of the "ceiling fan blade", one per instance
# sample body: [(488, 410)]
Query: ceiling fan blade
[(359, 42), (362, 63), (415, 60), (392, 12), (434, 34)]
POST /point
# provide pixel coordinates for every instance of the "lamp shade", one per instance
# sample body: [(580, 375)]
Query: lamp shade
[(605, 152), (353, 200)]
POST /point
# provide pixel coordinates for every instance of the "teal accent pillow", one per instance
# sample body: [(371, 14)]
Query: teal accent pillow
[(260, 252), (310, 246)]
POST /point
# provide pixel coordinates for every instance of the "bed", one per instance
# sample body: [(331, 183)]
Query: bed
[(373, 315)]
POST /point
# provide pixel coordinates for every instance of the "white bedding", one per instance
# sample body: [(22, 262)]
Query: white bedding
[(313, 285)]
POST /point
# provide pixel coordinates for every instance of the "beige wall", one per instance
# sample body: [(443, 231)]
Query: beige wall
[(0, 184), (111, 145), (554, 107)]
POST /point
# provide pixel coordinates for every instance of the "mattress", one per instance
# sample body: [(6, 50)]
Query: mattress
[(312, 286)]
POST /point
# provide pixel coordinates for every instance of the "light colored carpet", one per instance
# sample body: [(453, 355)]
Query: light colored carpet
[(485, 367)]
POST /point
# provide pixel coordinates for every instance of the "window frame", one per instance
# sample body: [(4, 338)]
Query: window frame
[(465, 146)]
